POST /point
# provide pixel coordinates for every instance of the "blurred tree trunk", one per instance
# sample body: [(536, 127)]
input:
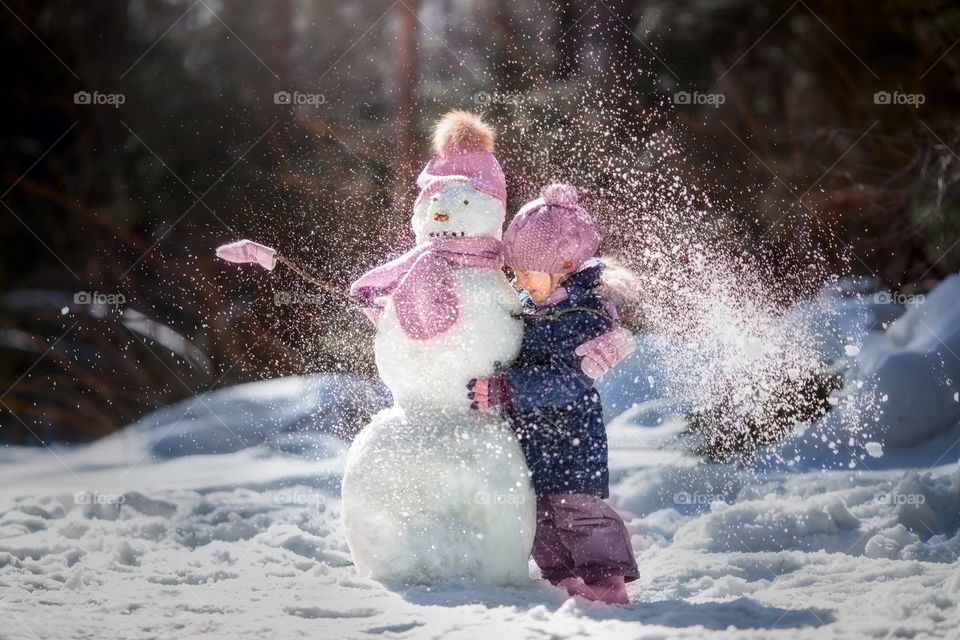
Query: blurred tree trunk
[(406, 102), (569, 39), (282, 44), (99, 62), (281, 48), (618, 41), (622, 51)]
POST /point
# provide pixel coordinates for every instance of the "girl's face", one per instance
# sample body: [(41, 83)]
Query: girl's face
[(537, 284)]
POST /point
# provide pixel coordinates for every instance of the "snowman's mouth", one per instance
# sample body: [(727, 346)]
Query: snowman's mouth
[(446, 234), (441, 217)]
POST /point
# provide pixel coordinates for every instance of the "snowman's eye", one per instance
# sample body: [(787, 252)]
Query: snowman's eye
[(466, 202), (434, 198)]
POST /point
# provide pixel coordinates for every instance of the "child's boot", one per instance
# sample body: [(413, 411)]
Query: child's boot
[(612, 590), (575, 587)]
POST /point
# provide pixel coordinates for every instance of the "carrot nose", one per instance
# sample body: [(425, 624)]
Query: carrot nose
[(441, 217)]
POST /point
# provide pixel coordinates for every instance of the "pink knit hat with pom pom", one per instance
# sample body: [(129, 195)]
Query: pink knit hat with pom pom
[(552, 234), (463, 144)]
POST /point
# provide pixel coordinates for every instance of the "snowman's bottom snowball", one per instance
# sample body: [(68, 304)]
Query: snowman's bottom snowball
[(436, 496)]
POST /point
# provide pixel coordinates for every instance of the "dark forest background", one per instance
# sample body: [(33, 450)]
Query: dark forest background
[(128, 200)]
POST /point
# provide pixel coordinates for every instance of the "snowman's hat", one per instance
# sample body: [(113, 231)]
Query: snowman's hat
[(463, 148)]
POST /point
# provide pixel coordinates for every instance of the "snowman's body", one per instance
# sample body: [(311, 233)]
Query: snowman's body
[(435, 372), (433, 490)]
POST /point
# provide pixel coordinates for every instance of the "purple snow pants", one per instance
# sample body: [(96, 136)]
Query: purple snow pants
[(580, 535)]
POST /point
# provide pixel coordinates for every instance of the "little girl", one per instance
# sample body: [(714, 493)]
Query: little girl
[(581, 544)]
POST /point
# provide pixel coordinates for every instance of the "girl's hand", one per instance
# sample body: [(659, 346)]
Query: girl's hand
[(606, 351), (488, 392)]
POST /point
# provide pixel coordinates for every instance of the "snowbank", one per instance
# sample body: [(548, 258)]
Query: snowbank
[(915, 365), (296, 414), (176, 527)]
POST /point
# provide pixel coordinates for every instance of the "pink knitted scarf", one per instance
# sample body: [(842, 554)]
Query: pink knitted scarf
[(420, 283)]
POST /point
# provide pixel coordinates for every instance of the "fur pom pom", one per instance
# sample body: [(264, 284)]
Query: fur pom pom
[(621, 286), (559, 193), (461, 132)]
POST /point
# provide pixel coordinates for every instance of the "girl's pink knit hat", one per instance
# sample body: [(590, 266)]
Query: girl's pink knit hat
[(552, 234), (463, 144)]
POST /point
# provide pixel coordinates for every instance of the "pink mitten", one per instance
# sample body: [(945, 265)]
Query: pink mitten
[(488, 392), (603, 353), (479, 393), (244, 251), (373, 313)]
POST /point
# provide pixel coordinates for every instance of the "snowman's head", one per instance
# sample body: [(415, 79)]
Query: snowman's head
[(462, 189), (458, 210)]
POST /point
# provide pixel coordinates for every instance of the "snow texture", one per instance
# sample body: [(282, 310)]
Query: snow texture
[(114, 540)]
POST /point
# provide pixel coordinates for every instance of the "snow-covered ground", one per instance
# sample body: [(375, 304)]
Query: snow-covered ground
[(220, 517)]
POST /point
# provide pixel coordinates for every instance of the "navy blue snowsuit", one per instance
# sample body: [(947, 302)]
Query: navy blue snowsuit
[(554, 407)]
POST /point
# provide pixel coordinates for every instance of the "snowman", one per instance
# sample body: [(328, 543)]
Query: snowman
[(434, 491)]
